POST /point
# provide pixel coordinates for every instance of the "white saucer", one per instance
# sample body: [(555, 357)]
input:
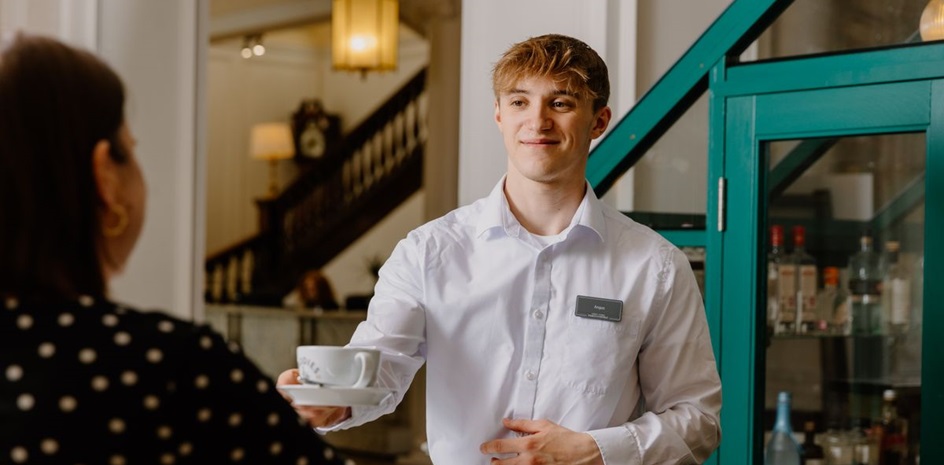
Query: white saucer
[(303, 394)]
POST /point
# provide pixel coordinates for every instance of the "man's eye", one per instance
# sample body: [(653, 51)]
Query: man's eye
[(516, 103), (560, 104)]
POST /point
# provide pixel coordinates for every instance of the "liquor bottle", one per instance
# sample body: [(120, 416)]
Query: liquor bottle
[(833, 304), (782, 448), (865, 279), (775, 259), (805, 277), (781, 266), (811, 452), (896, 291), (893, 447)]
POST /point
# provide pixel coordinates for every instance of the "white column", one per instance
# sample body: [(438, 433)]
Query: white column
[(159, 50)]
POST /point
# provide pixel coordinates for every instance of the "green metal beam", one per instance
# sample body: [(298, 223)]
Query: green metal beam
[(678, 89), (901, 205), (796, 162)]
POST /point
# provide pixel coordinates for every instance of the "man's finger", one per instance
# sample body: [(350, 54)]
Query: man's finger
[(526, 426), (500, 446)]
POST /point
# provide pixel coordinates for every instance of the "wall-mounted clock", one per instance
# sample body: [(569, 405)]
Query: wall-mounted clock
[(316, 131)]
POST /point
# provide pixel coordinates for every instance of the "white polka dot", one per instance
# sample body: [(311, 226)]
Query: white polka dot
[(49, 446), (151, 402), (233, 346), (235, 420), (19, 454), (165, 326), (109, 320), (154, 355), (349, 462), (262, 386), (14, 373), (25, 402), (129, 378), (24, 322), (236, 375), (275, 448), (185, 448), (87, 355), (99, 383), (164, 432), (302, 461), (237, 454), (46, 350), (167, 459), (116, 460), (122, 338), (206, 342), (204, 415), (116, 426), (66, 319), (273, 419), (329, 453), (86, 301), (11, 303), (201, 382), (67, 403)]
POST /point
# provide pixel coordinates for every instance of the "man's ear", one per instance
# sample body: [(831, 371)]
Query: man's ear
[(601, 122), (105, 170), (497, 114)]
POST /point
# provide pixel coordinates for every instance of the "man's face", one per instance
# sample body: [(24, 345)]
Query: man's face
[(547, 130)]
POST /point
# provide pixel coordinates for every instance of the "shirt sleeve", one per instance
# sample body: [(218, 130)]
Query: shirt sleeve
[(396, 325), (678, 379)]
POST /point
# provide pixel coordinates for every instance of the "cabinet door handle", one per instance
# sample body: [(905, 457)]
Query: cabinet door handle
[(722, 198)]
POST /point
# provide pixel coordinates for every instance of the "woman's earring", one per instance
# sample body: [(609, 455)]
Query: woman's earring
[(119, 228)]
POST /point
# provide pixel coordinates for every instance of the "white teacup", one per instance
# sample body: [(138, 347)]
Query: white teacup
[(336, 366)]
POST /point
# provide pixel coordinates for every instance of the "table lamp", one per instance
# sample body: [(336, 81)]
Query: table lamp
[(272, 142)]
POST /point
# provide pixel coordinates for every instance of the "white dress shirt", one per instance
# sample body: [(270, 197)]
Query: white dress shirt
[(491, 310)]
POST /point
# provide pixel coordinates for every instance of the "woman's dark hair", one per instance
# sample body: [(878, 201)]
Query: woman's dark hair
[(56, 103)]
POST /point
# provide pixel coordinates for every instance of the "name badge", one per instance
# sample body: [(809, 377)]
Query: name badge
[(599, 309)]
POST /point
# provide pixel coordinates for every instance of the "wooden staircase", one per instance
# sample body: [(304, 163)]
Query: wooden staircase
[(374, 169)]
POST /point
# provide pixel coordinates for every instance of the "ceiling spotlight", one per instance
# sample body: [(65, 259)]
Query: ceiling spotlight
[(252, 46)]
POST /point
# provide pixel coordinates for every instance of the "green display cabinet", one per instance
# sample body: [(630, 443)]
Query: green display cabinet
[(844, 146)]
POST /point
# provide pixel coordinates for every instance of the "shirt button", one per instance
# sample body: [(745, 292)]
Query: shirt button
[(538, 314), (530, 375)]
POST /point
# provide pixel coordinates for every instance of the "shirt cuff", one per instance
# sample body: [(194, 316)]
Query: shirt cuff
[(618, 445)]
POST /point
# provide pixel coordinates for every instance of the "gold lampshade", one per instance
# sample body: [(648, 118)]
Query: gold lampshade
[(364, 35), (272, 142), (932, 21)]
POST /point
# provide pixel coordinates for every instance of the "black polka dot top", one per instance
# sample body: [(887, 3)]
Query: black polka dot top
[(88, 382)]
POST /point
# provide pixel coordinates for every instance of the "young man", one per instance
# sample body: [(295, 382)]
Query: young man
[(554, 329)]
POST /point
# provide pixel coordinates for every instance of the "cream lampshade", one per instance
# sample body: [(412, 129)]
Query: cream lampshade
[(932, 21), (272, 142), (364, 35)]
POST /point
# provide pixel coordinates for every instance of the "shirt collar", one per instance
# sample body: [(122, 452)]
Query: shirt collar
[(496, 214)]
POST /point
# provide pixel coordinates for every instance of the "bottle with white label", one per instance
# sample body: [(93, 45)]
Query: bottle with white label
[(896, 292), (805, 276)]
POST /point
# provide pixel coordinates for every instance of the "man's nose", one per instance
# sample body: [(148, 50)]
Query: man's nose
[(540, 119)]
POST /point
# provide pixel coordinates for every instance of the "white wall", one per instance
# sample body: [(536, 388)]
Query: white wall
[(489, 27), (672, 177), (157, 48), (240, 94)]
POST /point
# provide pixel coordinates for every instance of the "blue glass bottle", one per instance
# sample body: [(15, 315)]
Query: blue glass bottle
[(782, 448)]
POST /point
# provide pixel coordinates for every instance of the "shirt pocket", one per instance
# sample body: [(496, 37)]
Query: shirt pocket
[(599, 355)]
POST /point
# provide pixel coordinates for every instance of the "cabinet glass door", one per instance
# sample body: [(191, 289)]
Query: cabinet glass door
[(839, 162), (843, 302)]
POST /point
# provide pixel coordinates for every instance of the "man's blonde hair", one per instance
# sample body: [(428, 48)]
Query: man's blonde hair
[(559, 57)]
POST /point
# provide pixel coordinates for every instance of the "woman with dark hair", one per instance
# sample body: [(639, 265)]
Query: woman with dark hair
[(84, 379)]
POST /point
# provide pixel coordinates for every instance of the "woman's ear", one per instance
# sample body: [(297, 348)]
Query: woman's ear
[(105, 170)]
